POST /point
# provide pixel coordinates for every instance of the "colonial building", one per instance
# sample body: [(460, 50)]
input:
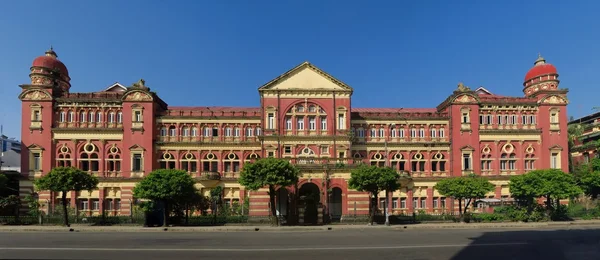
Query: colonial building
[(586, 145), (121, 134)]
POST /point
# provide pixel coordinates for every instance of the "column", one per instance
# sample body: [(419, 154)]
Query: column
[(429, 202), (409, 202)]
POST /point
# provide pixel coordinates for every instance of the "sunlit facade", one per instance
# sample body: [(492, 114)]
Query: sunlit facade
[(121, 134)]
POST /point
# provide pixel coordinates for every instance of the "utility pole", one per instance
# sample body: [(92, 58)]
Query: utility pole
[(387, 192)]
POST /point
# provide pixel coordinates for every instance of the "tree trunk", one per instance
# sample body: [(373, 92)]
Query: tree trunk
[(187, 214), (460, 211), (65, 213), (375, 207), (275, 220), (466, 206), (165, 215)]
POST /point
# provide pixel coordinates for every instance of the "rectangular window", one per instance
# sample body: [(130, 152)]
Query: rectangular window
[(443, 203), (413, 133), (71, 116), (325, 149), (215, 131), (120, 117), (435, 203), (532, 120), (37, 116), (84, 205), (228, 131), (270, 154), (403, 203), (481, 119), (554, 161), (393, 133), (442, 132), (249, 132), (423, 203), (287, 149), (421, 132), (394, 203), (207, 132), (433, 132), (373, 132), (138, 116), (312, 123), (499, 119), (554, 117), (382, 204), (63, 116), (271, 121), (465, 118), (341, 122), (381, 132), (173, 131), (137, 163), (300, 123), (99, 117), (82, 117), (524, 120), (95, 205), (401, 133), (467, 161), (236, 132), (37, 162), (288, 123), (415, 203), (91, 117), (323, 123)]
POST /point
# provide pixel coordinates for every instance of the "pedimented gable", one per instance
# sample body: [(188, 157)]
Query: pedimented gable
[(305, 77), (554, 99), (35, 147), (136, 147), (116, 87)]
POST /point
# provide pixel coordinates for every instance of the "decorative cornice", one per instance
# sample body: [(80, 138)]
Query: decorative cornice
[(94, 130), (510, 131)]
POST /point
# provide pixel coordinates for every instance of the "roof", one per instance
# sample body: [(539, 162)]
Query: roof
[(394, 110), (585, 119), (115, 87), (305, 65), (216, 109)]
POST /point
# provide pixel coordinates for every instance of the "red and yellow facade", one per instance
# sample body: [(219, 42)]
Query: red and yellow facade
[(306, 116)]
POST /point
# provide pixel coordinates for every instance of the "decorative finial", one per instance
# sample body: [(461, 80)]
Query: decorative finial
[(540, 60), (140, 84), (461, 87), (51, 52)]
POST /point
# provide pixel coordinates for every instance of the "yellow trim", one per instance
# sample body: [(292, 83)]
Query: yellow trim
[(516, 137)]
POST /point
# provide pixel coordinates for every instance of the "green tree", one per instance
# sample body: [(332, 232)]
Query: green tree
[(574, 131), (551, 184), (167, 186), (588, 178), (65, 179), (465, 188), (3, 182), (374, 179), (269, 172)]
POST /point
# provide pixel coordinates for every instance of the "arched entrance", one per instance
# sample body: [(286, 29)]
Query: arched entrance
[(335, 204), (310, 198), (282, 203)]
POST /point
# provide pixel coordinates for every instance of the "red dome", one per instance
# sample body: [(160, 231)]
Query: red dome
[(541, 68), (50, 61)]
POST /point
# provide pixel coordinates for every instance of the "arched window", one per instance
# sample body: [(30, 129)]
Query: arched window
[(393, 132), (111, 117), (172, 131), (398, 162), (306, 156), (88, 158), (486, 162), (92, 116), (529, 162), (113, 159), (232, 163), (378, 160), (64, 157), (194, 131), (186, 131), (252, 157), (418, 163), (167, 161), (71, 117), (210, 163), (438, 162), (82, 116), (360, 132), (188, 163), (120, 117), (508, 162), (99, 117), (163, 131)]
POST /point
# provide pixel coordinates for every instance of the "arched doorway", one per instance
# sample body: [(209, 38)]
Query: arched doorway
[(282, 203), (335, 204), (310, 198)]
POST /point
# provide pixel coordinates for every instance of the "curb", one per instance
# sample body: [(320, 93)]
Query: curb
[(297, 228)]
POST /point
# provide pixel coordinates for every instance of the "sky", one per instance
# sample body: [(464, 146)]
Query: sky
[(399, 54)]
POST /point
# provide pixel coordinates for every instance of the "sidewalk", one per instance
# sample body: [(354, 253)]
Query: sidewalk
[(249, 228)]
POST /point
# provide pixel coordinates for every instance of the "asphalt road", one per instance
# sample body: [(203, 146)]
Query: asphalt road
[(579, 244)]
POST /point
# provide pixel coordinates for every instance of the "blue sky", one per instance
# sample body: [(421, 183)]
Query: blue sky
[(393, 53)]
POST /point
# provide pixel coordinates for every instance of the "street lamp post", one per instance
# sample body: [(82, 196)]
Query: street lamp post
[(387, 213)]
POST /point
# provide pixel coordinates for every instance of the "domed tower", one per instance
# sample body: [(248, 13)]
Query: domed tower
[(50, 73), (542, 77)]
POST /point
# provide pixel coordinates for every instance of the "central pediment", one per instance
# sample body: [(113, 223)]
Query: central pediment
[(306, 77)]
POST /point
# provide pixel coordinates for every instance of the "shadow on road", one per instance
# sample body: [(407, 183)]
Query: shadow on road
[(567, 244)]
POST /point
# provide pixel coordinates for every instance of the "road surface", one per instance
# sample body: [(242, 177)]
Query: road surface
[(576, 244)]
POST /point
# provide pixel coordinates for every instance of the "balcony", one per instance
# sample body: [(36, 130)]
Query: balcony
[(323, 163), (230, 176), (210, 176)]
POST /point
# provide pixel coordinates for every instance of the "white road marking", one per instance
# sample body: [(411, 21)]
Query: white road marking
[(254, 249)]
